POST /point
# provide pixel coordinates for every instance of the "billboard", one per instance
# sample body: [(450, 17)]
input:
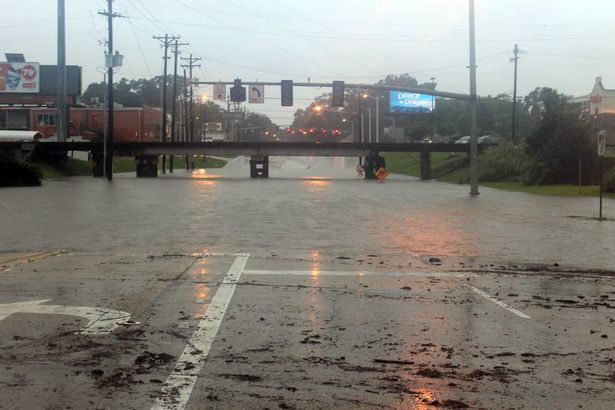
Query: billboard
[(19, 78), (406, 102)]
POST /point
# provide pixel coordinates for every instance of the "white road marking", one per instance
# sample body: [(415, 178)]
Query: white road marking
[(178, 386), (499, 302), (101, 321), (352, 273)]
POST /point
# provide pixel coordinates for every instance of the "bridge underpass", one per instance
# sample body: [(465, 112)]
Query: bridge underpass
[(147, 153)]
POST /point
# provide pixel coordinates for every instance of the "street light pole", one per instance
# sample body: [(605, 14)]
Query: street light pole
[(369, 113), (473, 102), (377, 120)]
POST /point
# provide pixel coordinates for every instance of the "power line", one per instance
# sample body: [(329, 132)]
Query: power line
[(234, 28), (310, 40)]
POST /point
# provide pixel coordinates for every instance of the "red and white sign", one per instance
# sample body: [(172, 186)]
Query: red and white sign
[(595, 99), (219, 92), (19, 78)]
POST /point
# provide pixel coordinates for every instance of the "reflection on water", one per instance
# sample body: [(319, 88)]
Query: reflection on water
[(429, 232)]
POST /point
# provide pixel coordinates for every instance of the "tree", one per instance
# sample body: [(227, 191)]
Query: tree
[(560, 139), (134, 93)]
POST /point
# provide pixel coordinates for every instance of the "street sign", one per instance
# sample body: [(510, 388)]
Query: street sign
[(232, 115), (601, 143), (257, 94), (382, 174), (100, 321), (220, 92)]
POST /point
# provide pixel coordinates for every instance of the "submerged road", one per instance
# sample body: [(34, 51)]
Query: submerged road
[(312, 289)]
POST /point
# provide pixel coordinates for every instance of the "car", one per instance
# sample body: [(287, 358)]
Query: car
[(463, 140), (489, 139)]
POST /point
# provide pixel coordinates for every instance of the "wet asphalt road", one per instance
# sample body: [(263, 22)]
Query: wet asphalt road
[(313, 289)]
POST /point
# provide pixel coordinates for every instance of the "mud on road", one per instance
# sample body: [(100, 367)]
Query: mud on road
[(313, 333)]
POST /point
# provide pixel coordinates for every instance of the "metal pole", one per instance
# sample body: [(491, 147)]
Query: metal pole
[(362, 126), (106, 112), (473, 102), (601, 184), (186, 116), (433, 111), (62, 110), (580, 176), (173, 101), (369, 112), (164, 99), (377, 120), (109, 159), (514, 107)]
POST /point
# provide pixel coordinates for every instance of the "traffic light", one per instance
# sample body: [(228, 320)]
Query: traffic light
[(337, 97), (287, 93), (238, 93)]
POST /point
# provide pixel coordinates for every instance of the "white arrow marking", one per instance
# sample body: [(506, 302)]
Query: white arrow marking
[(101, 321)]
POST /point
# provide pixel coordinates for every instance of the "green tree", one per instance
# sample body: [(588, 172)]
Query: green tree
[(560, 139)]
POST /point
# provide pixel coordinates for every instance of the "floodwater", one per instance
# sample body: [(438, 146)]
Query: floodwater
[(308, 204)]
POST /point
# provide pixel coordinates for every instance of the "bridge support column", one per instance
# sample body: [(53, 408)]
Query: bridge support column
[(98, 164), (425, 165), (373, 164), (147, 166), (259, 166)]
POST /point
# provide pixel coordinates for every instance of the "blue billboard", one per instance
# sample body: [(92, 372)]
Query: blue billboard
[(406, 102)]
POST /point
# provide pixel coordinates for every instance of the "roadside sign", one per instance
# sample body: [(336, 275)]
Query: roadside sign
[(382, 174), (220, 92), (257, 94), (601, 143)]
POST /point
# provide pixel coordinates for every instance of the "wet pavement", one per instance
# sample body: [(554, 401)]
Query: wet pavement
[(313, 289)]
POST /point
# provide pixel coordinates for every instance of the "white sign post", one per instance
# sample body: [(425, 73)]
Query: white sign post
[(257, 94)]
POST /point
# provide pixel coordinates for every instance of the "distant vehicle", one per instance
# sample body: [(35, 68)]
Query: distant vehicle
[(489, 139), (463, 140)]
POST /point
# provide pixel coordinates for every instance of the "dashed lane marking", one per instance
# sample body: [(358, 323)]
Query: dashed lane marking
[(499, 302), (178, 386)]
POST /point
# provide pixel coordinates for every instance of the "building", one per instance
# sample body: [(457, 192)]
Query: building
[(599, 106), (130, 124)]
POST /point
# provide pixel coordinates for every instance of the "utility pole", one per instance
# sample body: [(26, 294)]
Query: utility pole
[(191, 64), (473, 102), (433, 110), (186, 115), (62, 109), (166, 43), (174, 99), (515, 59), (110, 65)]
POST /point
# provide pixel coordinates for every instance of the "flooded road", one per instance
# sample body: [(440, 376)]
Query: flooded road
[(307, 204), (312, 289)]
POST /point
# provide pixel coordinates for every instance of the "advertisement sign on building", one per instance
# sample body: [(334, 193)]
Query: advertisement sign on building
[(19, 78), (406, 102)]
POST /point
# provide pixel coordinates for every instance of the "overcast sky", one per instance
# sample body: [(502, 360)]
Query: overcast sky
[(567, 42)]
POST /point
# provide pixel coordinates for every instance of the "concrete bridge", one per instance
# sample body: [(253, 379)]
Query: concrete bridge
[(147, 153)]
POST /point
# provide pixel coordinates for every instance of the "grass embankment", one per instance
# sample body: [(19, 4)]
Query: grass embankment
[(443, 164), (453, 168), (73, 167)]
